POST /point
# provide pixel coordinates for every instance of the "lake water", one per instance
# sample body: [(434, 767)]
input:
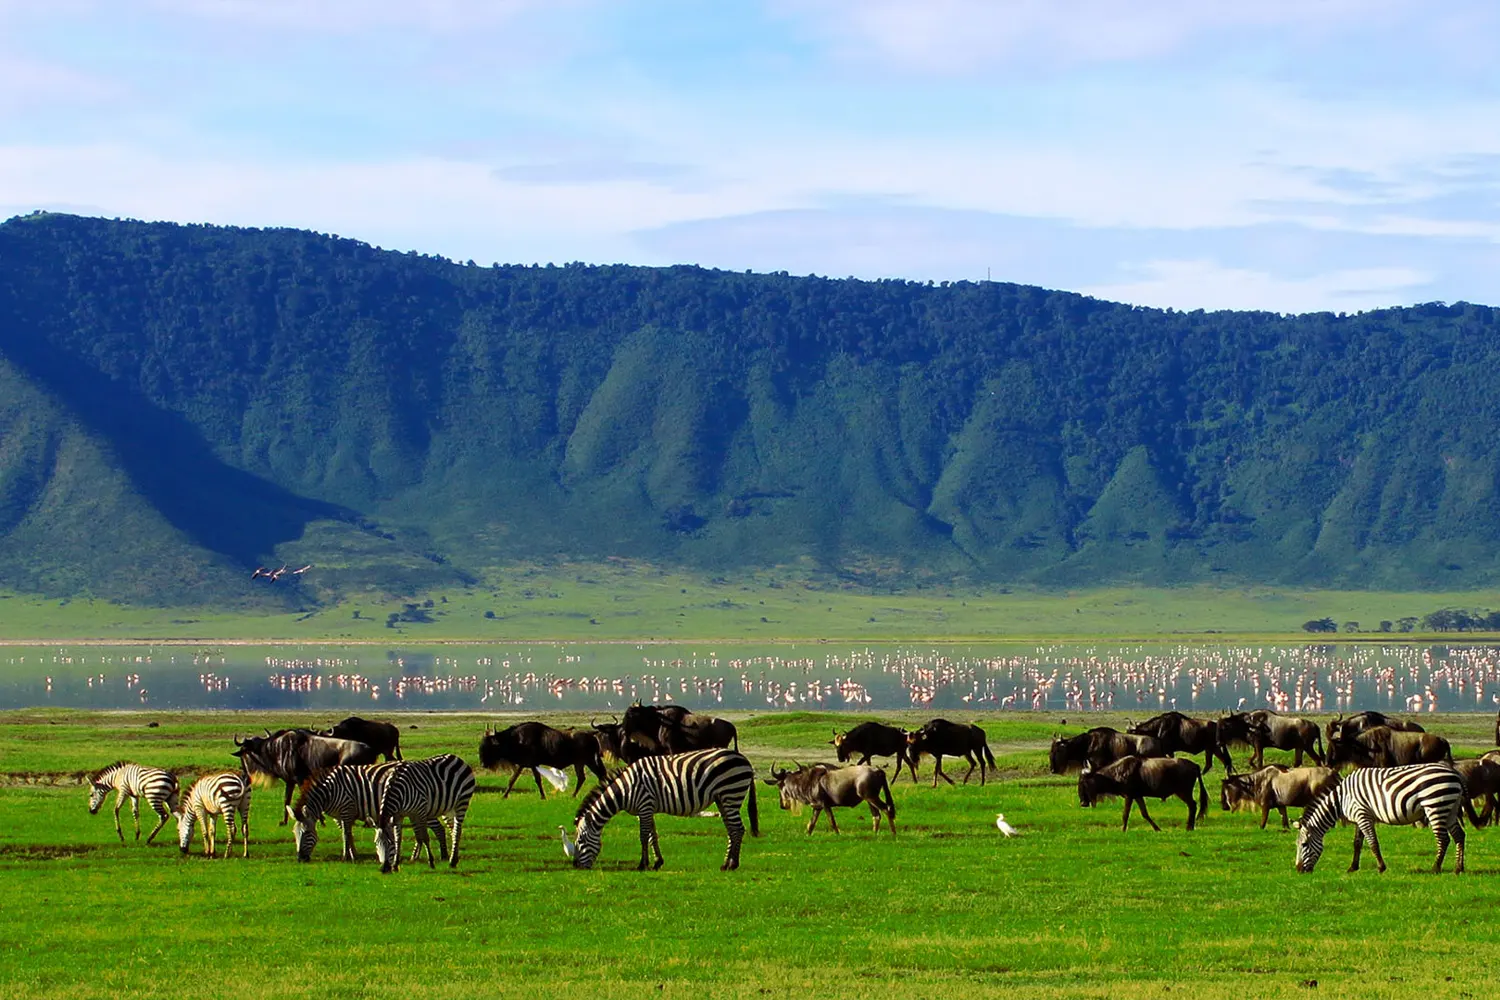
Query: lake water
[(817, 675)]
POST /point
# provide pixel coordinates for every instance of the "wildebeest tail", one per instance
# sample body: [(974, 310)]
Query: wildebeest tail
[(890, 803), (754, 813), (1202, 798), (985, 749), (1474, 820), (1318, 739)]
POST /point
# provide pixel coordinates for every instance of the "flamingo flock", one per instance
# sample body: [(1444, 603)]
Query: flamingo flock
[(1071, 677)]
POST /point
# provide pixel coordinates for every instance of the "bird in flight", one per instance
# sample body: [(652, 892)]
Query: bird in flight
[(276, 575), (304, 569), (260, 571)]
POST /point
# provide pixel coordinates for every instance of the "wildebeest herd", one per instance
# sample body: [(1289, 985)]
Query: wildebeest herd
[(666, 759)]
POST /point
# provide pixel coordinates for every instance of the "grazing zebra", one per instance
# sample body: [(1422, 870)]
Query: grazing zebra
[(1393, 795), (213, 795), (423, 791), (135, 782), (678, 785), (348, 793)]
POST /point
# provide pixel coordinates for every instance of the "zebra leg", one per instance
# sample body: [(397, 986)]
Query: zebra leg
[(1359, 841), (736, 829), (245, 822), (1458, 838), (439, 830), (455, 836), (135, 814), (161, 811), (1440, 834), (229, 827), (210, 834), (648, 833), (346, 826), (1366, 827), (119, 801)]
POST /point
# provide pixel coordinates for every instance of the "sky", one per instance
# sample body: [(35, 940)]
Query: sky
[(1289, 155)]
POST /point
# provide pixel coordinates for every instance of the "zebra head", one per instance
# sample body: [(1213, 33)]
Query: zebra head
[(588, 843), (385, 848), (1309, 847), (97, 792), (305, 833), (185, 829)]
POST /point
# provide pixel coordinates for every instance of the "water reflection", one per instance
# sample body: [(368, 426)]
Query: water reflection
[(604, 677)]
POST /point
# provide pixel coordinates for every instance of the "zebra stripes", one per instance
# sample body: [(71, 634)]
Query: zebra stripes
[(135, 782), (1397, 796), (423, 791), (677, 785), (223, 794), (350, 794)]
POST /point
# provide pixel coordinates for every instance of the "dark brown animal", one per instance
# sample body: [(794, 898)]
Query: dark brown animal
[(824, 787), (940, 738), (1263, 728), (1180, 734), (1135, 779), (1383, 747), (1100, 746), (612, 743), (1481, 781), (1276, 786), (295, 756), (1346, 727), (530, 744), (672, 729), (382, 737), (874, 739)]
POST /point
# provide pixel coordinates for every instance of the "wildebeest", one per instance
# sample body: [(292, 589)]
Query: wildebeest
[(1276, 786), (874, 739), (1342, 726), (1264, 728), (1181, 734), (382, 737), (672, 729), (1481, 781), (823, 787), (529, 744), (1135, 779), (1100, 746), (940, 738), (612, 743), (1383, 747), (297, 755)]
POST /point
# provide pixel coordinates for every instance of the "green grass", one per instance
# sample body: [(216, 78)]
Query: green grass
[(948, 908), (620, 601)]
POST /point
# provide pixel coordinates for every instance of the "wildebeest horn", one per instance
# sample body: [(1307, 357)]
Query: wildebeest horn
[(268, 732), (237, 741)]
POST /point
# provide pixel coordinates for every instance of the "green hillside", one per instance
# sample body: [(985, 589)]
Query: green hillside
[(179, 404)]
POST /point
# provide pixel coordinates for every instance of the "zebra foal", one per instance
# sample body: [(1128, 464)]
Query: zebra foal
[(424, 792), (677, 785), (135, 782), (1397, 796), (223, 794)]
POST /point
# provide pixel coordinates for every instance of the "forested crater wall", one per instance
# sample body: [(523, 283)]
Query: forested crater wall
[(181, 403)]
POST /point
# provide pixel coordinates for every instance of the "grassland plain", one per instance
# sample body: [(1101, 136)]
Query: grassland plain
[(948, 908), (622, 601)]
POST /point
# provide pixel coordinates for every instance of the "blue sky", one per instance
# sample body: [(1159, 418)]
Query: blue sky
[(1289, 155)]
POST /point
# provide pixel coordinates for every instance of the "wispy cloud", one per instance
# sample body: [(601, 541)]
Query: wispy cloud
[(1204, 284)]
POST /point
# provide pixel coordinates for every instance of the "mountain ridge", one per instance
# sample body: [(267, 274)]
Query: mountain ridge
[(232, 396)]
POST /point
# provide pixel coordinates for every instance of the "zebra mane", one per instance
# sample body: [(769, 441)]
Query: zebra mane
[(105, 770), (594, 795), (1325, 811)]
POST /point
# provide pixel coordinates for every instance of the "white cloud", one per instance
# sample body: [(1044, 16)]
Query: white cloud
[(28, 83), (954, 36), (439, 16), (1203, 284)]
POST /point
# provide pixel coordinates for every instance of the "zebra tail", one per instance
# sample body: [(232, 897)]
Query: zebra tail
[(754, 814)]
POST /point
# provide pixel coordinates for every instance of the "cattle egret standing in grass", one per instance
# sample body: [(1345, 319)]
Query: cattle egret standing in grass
[(568, 847), (1003, 826)]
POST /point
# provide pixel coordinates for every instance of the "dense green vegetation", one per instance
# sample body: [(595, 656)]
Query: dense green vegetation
[(180, 404), (946, 909)]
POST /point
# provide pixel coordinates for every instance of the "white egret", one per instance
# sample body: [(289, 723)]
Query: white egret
[(569, 849), (1003, 826)]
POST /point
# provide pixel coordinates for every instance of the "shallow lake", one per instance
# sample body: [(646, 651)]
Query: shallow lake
[(816, 675)]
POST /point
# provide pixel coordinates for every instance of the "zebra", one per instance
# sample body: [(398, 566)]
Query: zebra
[(1393, 795), (423, 791), (349, 793), (135, 782), (677, 785), (222, 794)]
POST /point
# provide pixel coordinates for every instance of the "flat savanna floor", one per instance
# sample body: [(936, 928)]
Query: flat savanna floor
[(947, 908)]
